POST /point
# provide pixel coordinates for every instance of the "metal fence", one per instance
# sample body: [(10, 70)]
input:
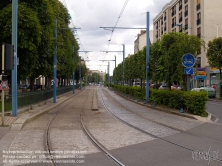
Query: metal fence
[(32, 97)]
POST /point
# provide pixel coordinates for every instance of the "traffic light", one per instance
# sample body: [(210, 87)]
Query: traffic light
[(9, 57), (3, 77)]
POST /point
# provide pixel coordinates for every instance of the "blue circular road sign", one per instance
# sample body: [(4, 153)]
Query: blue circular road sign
[(188, 60)]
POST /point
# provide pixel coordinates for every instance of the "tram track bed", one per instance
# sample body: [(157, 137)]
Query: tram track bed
[(114, 135)]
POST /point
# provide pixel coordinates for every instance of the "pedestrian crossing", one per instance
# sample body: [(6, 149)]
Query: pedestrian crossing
[(8, 120)]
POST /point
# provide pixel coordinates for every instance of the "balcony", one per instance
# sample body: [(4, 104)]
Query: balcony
[(185, 13), (198, 21), (180, 7), (181, 19), (198, 6), (165, 18), (165, 28), (199, 35)]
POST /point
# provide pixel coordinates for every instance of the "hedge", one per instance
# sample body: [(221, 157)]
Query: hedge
[(194, 102)]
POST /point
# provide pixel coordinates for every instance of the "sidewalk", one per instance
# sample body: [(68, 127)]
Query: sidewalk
[(26, 114), (210, 118)]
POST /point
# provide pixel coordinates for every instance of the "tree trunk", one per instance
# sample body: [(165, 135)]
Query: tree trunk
[(32, 81)]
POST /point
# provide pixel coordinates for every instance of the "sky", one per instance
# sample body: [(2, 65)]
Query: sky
[(90, 15)]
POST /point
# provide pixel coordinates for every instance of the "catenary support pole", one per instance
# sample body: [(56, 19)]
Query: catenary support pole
[(147, 55), (14, 43), (54, 62), (73, 72)]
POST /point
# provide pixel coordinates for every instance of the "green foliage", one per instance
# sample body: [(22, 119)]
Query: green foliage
[(214, 55), (195, 102), (36, 25)]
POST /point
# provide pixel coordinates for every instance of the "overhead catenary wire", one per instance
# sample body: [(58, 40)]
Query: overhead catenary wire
[(113, 29)]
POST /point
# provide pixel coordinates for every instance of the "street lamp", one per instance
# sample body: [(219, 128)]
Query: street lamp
[(185, 26)]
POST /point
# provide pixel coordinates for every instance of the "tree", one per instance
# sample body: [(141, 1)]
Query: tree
[(173, 46), (36, 24), (214, 55), (156, 64)]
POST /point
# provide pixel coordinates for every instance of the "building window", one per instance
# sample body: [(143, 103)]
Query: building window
[(186, 23), (186, 11), (198, 18), (180, 5), (164, 16), (164, 26), (198, 4), (180, 29), (157, 25), (173, 10), (180, 17), (173, 22), (199, 32), (185, 1)]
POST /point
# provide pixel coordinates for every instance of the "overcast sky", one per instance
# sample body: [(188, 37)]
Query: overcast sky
[(89, 15)]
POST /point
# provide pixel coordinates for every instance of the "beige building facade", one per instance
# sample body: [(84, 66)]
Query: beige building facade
[(194, 17), (140, 41)]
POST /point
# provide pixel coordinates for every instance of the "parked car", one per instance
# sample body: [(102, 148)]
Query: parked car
[(210, 91), (164, 87), (25, 86)]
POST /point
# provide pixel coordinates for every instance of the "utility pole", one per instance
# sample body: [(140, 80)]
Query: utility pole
[(14, 43), (115, 67), (73, 72), (147, 49)]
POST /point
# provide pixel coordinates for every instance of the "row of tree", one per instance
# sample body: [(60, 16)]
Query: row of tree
[(165, 59), (36, 38)]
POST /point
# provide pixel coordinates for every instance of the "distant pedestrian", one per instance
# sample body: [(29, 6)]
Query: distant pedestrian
[(214, 86)]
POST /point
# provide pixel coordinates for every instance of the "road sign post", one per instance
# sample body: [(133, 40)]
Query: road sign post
[(188, 61)]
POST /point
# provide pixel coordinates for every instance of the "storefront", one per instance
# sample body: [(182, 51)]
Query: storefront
[(215, 79)]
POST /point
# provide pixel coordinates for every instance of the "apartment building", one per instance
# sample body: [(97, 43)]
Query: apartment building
[(194, 17), (140, 41)]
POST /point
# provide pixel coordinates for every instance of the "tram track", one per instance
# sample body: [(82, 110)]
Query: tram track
[(163, 124), (151, 134), (100, 147)]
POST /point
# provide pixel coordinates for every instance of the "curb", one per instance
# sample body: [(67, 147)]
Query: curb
[(21, 121), (158, 108)]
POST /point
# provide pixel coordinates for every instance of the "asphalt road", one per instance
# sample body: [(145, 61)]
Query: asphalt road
[(215, 108)]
